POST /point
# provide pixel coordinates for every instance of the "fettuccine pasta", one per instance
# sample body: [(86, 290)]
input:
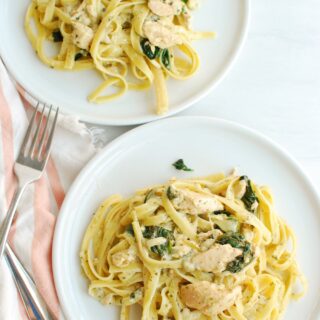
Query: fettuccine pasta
[(133, 44), (207, 248)]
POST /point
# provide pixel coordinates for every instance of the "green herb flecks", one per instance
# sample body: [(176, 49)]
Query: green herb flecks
[(170, 193), (152, 232), (126, 25), (136, 295), (78, 56), (153, 52), (218, 212), (237, 240), (249, 199), (180, 165), (130, 230), (81, 54), (148, 195), (165, 58), (150, 51), (57, 36)]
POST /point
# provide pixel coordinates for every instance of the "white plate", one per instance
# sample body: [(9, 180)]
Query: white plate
[(69, 90), (144, 156)]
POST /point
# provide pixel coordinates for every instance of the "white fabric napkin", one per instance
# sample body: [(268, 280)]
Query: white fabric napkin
[(32, 232)]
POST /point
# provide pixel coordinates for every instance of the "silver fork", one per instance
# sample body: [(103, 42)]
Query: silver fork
[(31, 162)]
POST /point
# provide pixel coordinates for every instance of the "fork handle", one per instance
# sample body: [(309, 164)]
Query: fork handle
[(35, 306), (5, 228)]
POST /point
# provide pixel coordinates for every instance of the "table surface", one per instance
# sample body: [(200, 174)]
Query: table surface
[(274, 87)]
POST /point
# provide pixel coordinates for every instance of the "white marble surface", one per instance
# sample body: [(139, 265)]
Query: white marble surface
[(274, 87)]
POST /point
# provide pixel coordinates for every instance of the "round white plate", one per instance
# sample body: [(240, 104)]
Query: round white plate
[(69, 90), (143, 157)]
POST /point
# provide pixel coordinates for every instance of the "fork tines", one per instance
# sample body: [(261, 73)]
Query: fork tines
[(37, 142)]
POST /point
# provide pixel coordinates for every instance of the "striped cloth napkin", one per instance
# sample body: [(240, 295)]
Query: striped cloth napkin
[(32, 231)]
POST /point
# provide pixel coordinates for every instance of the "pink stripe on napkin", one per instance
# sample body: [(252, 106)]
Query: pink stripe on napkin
[(7, 145), (42, 245), (55, 182), (9, 178), (33, 229)]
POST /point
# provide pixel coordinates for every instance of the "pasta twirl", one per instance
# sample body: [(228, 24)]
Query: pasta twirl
[(209, 248), (133, 44)]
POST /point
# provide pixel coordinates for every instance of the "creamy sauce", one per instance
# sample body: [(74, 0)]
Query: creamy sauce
[(81, 15), (180, 249), (215, 233), (240, 189), (123, 258), (82, 35), (108, 299), (193, 4), (207, 244), (92, 11), (191, 315)]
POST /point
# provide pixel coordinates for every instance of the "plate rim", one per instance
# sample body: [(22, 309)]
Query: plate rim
[(96, 119), (56, 267)]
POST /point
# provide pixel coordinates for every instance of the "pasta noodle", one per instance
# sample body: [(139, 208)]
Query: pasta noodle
[(133, 44), (207, 248)]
